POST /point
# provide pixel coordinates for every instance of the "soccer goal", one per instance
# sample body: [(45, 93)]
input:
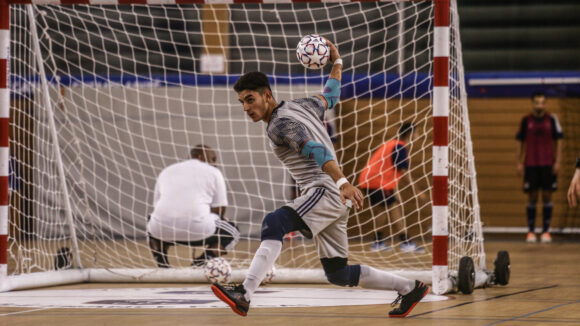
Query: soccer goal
[(99, 95)]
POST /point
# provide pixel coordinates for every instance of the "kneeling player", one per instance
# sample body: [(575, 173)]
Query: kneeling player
[(189, 205)]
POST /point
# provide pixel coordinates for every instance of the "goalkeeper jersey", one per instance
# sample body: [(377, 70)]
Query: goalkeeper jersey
[(291, 125)]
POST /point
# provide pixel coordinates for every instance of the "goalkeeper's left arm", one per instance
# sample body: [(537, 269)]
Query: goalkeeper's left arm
[(328, 164), (331, 93)]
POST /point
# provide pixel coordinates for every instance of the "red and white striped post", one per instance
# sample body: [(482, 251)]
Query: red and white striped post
[(4, 132), (440, 145)]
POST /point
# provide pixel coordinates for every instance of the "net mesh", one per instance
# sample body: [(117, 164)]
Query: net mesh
[(130, 90)]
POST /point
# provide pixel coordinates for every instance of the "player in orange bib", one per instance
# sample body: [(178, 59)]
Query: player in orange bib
[(380, 178)]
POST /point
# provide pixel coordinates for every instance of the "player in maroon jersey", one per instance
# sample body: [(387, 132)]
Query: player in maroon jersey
[(538, 159)]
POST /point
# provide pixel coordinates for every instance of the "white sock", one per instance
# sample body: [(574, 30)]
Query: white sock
[(261, 264), (372, 278)]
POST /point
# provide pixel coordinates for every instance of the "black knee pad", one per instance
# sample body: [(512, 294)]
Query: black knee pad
[(339, 273), (276, 224)]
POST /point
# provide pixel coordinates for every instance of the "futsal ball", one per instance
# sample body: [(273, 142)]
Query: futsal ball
[(269, 276), (312, 51), (218, 270)]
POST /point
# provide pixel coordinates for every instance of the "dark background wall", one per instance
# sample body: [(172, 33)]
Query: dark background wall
[(513, 35)]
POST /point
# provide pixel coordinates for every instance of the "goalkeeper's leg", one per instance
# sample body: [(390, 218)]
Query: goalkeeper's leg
[(274, 227), (410, 292), (334, 240), (338, 272)]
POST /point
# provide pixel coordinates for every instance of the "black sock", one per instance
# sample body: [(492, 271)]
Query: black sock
[(159, 251), (403, 237), (379, 236), (547, 216), (206, 255), (161, 259), (531, 212)]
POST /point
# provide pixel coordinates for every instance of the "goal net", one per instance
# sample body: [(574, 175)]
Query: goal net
[(103, 97)]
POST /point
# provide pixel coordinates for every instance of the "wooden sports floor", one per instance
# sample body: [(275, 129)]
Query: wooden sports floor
[(544, 290)]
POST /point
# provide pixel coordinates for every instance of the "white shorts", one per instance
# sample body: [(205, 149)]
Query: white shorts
[(326, 216), (182, 229)]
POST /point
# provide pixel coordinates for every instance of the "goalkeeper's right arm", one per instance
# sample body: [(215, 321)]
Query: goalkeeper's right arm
[(336, 72), (331, 93)]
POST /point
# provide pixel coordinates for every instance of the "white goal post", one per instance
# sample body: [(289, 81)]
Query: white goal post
[(97, 97)]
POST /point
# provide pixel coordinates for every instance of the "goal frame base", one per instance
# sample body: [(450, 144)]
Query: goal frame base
[(172, 275)]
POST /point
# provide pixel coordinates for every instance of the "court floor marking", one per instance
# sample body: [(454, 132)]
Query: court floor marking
[(195, 297), (483, 300), (23, 312), (533, 313), (263, 314), (493, 321)]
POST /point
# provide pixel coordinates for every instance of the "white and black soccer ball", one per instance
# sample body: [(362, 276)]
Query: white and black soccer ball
[(217, 270), (312, 51), (269, 276)]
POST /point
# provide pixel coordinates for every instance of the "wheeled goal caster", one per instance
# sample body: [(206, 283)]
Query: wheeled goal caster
[(502, 268), (466, 275), (468, 278)]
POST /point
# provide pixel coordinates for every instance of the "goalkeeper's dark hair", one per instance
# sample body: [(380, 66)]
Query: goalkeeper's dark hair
[(406, 129), (253, 81)]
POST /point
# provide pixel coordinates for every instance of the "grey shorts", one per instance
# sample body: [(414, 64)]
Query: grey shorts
[(326, 216)]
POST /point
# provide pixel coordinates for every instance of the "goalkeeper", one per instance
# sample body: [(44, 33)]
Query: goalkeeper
[(189, 205), (299, 139)]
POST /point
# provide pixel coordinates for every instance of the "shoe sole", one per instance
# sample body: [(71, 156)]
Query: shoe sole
[(410, 309), (223, 297)]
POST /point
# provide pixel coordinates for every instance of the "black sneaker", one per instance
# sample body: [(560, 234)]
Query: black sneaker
[(233, 296), (409, 300)]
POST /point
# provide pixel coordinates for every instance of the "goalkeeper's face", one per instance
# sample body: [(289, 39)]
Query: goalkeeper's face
[(256, 104)]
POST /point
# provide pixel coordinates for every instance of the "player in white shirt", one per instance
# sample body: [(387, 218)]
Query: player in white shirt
[(189, 205)]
